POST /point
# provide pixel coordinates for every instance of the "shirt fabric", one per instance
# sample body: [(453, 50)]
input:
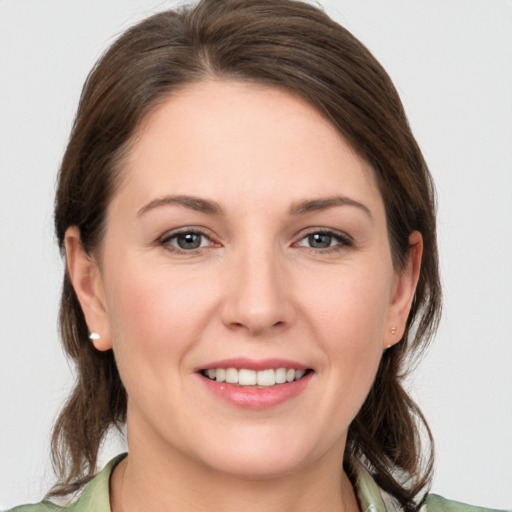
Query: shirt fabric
[(95, 497)]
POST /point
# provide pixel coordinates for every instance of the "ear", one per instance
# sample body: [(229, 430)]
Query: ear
[(403, 291), (85, 276)]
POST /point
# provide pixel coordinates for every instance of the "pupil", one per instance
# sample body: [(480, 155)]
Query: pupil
[(189, 241), (320, 240)]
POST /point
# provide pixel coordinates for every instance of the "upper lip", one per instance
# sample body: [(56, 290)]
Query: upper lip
[(253, 364)]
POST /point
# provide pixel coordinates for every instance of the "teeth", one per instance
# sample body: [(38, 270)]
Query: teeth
[(299, 374), (232, 376), (266, 378), (280, 375), (245, 377)]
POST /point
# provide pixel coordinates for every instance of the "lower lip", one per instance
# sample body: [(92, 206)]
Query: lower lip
[(257, 398)]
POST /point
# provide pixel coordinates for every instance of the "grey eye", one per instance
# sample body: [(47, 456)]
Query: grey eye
[(320, 240), (189, 240)]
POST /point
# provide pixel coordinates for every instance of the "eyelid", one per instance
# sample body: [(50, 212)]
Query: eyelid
[(344, 239), (165, 239)]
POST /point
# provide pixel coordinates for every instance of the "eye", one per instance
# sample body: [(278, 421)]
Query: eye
[(319, 240), (325, 240), (186, 241)]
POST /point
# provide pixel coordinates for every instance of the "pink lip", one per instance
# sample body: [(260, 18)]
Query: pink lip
[(253, 364), (255, 398)]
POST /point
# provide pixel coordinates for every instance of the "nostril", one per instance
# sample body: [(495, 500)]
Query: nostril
[(256, 308)]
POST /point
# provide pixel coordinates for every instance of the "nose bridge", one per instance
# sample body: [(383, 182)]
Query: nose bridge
[(258, 298)]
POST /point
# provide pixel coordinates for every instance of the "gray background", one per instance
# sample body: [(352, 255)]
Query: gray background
[(452, 63)]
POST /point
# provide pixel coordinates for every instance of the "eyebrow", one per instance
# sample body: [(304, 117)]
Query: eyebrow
[(211, 207), (314, 205), (194, 203)]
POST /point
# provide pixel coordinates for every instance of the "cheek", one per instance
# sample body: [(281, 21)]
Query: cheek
[(155, 318), (352, 309), (349, 324)]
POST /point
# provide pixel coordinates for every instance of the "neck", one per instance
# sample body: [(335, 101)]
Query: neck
[(158, 475), (152, 482)]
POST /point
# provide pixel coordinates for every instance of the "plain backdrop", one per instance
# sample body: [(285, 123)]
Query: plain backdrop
[(451, 61)]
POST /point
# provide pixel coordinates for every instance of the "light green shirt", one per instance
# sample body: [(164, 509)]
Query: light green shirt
[(95, 497)]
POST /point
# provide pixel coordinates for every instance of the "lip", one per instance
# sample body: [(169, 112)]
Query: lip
[(253, 364), (255, 398)]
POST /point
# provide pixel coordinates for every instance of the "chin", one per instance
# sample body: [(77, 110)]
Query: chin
[(260, 468), (263, 457)]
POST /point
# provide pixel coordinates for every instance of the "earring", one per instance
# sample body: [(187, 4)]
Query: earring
[(393, 332), (100, 343)]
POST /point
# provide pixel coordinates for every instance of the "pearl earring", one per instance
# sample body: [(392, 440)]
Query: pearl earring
[(94, 336)]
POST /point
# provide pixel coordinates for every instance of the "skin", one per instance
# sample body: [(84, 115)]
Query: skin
[(258, 287)]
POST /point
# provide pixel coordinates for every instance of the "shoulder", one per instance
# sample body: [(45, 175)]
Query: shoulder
[(435, 503), (374, 499), (44, 506), (48, 506), (94, 497)]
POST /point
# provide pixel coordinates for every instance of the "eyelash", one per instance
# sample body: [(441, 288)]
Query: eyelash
[(342, 240), (167, 238)]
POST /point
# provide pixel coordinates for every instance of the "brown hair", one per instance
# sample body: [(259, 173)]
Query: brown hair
[(282, 43)]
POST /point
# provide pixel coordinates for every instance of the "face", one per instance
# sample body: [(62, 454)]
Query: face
[(245, 282)]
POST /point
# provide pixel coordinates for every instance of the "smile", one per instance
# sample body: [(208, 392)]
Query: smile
[(245, 377)]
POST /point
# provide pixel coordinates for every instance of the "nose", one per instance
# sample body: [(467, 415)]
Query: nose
[(258, 299)]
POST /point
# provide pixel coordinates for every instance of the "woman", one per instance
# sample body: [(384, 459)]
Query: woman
[(249, 233)]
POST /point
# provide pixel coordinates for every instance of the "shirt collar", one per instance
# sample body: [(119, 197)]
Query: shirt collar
[(95, 495), (371, 497)]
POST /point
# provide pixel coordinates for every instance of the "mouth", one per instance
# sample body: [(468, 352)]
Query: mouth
[(256, 384), (245, 377)]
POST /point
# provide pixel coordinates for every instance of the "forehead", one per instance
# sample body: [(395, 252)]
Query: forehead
[(236, 139)]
